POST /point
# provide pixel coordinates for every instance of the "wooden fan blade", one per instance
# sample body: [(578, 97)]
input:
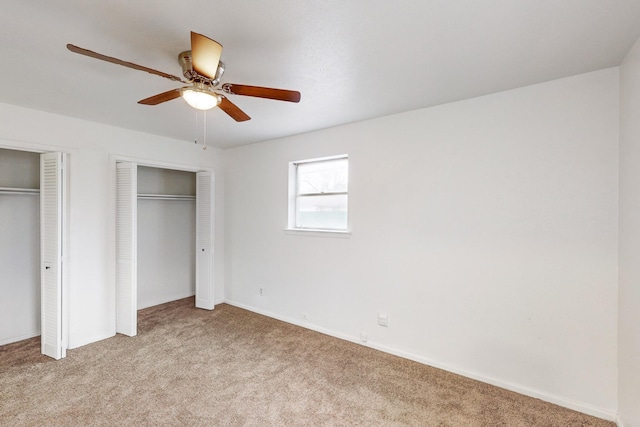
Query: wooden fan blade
[(232, 109), (262, 92), (205, 55), (161, 97), (92, 54)]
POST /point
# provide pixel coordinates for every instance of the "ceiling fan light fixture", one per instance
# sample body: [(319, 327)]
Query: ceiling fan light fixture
[(200, 99)]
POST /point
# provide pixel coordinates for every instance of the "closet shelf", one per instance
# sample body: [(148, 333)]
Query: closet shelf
[(165, 197), (14, 190)]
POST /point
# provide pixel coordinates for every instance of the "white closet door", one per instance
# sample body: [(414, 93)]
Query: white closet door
[(51, 223), (126, 248), (204, 240)]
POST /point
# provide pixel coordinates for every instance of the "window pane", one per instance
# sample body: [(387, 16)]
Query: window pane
[(329, 176), (322, 212)]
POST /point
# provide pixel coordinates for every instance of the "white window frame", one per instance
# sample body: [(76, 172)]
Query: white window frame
[(293, 196)]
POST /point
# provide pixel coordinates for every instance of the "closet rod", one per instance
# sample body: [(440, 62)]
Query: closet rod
[(165, 197), (12, 190)]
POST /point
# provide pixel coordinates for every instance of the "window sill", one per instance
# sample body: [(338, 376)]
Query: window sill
[(317, 233)]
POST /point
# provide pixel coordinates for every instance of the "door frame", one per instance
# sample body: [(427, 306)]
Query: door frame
[(113, 160), (66, 208)]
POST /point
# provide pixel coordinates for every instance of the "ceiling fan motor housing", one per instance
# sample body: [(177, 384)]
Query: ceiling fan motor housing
[(186, 63)]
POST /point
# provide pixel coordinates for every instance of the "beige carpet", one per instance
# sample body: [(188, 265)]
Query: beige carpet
[(231, 367)]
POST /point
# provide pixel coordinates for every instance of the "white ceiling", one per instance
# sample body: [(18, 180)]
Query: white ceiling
[(351, 59)]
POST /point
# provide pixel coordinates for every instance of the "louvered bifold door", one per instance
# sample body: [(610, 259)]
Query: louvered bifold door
[(204, 240), (51, 223), (126, 248)]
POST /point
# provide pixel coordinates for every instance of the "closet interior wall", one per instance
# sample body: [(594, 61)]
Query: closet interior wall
[(166, 235), (19, 245)]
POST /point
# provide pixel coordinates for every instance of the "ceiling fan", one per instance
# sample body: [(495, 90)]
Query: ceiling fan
[(202, 71)]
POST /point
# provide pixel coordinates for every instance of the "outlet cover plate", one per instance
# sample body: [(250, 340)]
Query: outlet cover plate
[(383, 319)]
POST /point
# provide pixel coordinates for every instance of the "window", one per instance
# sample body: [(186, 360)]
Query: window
[(318, 194)]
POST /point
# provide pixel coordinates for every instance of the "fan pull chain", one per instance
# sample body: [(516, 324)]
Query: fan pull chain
[(204, 137), (195, 130)]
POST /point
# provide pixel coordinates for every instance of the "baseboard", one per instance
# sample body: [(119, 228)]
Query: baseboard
[(86, 341), (165, 299), (547, 397), (19, 338)]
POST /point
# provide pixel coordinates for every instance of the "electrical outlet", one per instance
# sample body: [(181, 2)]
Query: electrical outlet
[(261, 291), (364, 337), (383, 319)]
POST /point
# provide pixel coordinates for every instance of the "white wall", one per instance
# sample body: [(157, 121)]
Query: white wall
[(153, 180), (19, 267), (19, 169), (486, 229), (166, 251), (92, 149), (629, 294)]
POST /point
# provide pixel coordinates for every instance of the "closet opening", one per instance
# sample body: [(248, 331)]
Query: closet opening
[(32, 248), (19, 245), (164, 235)]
